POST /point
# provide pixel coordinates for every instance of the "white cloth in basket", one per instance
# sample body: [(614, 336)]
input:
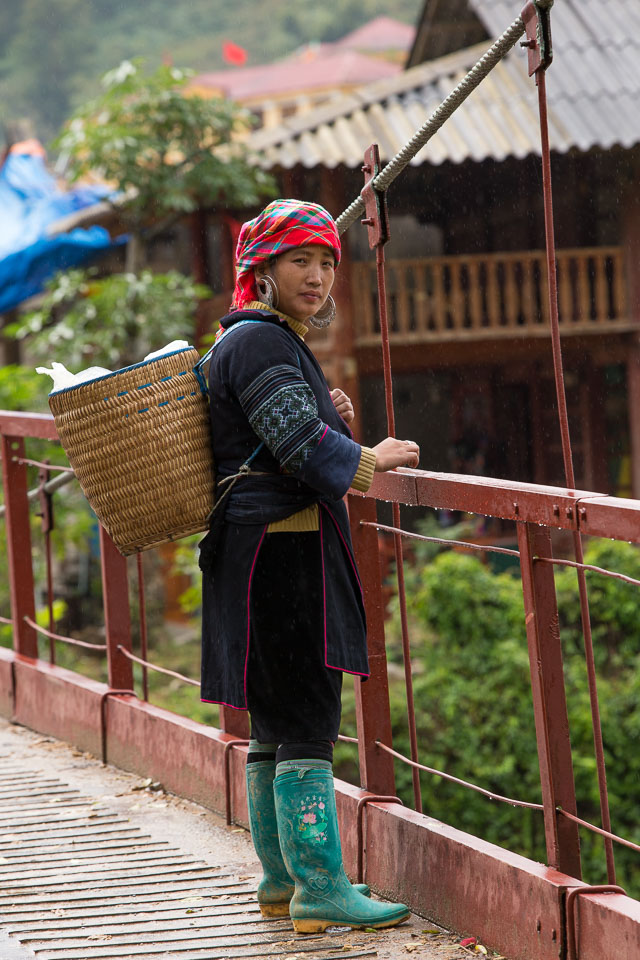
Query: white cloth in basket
[(63, 378)]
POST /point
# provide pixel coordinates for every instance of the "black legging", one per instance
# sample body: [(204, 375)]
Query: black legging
[(304, 750)]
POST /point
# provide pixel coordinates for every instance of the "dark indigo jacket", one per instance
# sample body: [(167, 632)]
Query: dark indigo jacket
[(229, 551)]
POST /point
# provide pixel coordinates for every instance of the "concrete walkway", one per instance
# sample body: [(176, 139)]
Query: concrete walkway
[(96, 864)]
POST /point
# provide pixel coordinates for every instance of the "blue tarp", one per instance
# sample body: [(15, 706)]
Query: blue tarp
[(30, 201)]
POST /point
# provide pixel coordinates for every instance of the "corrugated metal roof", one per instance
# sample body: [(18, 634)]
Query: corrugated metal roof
[(593, 89)]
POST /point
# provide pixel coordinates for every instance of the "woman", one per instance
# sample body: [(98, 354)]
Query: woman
[(282, 605)]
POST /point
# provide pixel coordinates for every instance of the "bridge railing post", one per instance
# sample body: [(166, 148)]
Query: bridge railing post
[(14, 479), (549, 699), (117, 613), (235, 722), (373, 711)]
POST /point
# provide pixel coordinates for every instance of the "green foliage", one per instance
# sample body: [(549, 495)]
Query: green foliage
[(615, 620), (472, 693), (52, 53), (23, 389), (42, 619), (45, 51), (616, 629), (186, 563), (166, 152), (112, 321), (473, 699)]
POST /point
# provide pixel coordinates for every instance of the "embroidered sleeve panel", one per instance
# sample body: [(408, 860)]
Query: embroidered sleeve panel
[(282, 409)]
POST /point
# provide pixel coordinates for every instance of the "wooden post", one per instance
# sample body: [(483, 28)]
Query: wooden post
[(596, 426), (631, 253), (585, 395), (10, 346), (539, 446), (199, 255), (633, 405), (199, 267), (293, 184), (631, 242)]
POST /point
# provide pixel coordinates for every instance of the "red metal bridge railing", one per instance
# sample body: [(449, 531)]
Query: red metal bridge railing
[(534, 510)]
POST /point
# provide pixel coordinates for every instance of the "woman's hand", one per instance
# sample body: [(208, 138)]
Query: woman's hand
[(343, 405), (391, 453)]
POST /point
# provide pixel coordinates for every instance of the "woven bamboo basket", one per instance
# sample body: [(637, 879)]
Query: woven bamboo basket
[(139, 441)]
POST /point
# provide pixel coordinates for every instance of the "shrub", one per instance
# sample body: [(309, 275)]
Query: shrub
[(473, 700)]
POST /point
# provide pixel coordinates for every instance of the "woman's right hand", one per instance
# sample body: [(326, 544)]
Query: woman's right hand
[(391, 453)]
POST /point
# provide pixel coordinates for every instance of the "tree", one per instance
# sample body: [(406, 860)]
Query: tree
[(473, 700), (167, 153), (112, 321), (51, 52), (47, 49)]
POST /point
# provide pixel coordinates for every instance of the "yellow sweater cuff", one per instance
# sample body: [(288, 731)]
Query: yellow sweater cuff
[(366, 468)]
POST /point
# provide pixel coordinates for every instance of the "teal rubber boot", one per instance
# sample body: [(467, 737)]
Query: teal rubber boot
[(310, 842), (276, 887)]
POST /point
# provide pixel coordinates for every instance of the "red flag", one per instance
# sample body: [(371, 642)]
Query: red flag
[(232, 53)]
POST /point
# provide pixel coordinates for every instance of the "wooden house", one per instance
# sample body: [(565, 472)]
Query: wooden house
[(466, 269), (313, 74)]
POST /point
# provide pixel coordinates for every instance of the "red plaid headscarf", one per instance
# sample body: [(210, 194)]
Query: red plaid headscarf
[(282, 225)]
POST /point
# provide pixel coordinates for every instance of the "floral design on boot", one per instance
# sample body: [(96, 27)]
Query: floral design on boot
[(276, 887), (310, 842)]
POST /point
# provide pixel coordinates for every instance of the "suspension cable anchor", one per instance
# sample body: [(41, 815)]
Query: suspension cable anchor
[(375, 201), (536, 16)]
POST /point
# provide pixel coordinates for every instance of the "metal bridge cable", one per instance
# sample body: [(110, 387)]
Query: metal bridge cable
[(487, 548), (567, 454), (588, 566), (483, 548), (497, 796), (604, 833), (152, 666), (462, 783), (397, 539), (57, 636), (458, 95)]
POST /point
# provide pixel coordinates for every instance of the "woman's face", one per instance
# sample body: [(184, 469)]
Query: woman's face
[(304, 276)]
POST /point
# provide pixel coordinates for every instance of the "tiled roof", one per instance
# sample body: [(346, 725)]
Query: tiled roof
[(382, 33), (327, 67), (593, 89)]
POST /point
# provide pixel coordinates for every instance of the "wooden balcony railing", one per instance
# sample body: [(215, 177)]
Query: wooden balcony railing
[(493, 295)]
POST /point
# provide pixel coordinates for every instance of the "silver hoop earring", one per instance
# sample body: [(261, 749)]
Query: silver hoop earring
[(268, 292), (325, 316)]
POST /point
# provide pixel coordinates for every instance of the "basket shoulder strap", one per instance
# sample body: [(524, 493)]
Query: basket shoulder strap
[(199, 367), (198, 370)]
